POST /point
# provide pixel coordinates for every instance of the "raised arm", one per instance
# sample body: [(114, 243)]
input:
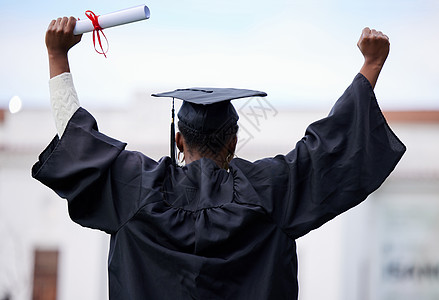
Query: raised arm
[(63, 97), (59, 40), (375, 47), (341, 159)]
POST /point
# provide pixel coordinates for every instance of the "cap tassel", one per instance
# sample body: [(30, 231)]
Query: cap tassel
[(173, 158)]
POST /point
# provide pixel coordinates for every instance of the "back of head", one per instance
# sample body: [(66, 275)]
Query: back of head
[(207, 129)]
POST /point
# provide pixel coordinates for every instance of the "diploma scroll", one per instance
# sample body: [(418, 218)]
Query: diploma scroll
[(120, 17)]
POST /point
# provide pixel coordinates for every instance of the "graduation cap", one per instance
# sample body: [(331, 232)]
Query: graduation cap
[(205, 110)]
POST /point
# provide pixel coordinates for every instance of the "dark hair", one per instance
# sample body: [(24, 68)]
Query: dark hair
[(208, 143)]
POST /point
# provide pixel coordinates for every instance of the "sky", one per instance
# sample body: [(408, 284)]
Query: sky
[(302, 53)]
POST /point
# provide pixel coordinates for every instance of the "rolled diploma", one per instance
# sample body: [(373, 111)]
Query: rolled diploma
[(116, 18)]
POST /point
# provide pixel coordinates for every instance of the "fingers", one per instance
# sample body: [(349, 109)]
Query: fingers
[(66, 24), (59, 35), (51, 24), (58, 24), (63, 24), (372, 33), (372, 36), (378, 34), (71, 22), (61, 28), (366, 32)]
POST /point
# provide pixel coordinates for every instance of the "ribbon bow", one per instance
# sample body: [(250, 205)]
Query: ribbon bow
[(97, 29)]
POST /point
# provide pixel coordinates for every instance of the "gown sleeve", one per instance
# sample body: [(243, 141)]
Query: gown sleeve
[(100, 180), (335, 166)]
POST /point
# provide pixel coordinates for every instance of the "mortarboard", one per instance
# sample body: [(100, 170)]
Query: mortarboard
[(205, 109)]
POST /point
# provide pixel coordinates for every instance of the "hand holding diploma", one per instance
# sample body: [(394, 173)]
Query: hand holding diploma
[(63, 33), (59, 40)]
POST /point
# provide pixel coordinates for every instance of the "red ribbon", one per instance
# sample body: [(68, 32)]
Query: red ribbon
[(97, 29)]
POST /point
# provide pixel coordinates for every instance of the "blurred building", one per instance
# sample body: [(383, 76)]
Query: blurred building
[(386, 248)]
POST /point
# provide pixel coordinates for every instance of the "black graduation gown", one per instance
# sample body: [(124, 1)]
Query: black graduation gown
[(200, 232)]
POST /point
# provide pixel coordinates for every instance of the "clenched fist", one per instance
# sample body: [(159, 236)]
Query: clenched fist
[(375, 48), (374, 45)]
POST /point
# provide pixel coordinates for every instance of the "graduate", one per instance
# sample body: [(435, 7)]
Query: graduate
[(219, 227)]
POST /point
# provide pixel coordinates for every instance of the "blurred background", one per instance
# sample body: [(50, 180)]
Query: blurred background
[(302, 53)]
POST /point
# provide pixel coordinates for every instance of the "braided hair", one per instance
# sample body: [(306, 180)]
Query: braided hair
[(208, 143)]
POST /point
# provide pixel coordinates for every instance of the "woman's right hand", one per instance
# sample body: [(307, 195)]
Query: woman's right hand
[(59, 40), (60, 37)]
